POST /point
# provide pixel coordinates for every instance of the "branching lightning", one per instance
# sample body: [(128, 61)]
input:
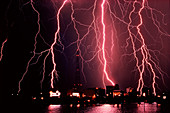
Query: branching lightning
[(35, 40), (127, 17), (146, 62), (54, 72)]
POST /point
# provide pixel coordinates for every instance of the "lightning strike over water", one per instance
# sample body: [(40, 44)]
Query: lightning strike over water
[(54, 72), (103, 44), (35, 43), (113, 37), (144, 52), (146, 61)]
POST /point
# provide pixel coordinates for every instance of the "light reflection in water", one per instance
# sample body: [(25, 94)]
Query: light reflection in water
[(105, 108), (54, 109), (146, 107)]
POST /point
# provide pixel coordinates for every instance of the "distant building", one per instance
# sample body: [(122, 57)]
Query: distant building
[(77, 86), (110, 89), (146, 92), (90, 92), (94, 92), (55, 94), (77, 82), (129, 90), (116, 87), (117, 93), (100, 92)]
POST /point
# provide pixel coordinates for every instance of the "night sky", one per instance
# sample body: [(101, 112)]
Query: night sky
[(18, 23)]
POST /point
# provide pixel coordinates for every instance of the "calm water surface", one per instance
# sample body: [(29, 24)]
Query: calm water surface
[(102, 108), (105, 108)]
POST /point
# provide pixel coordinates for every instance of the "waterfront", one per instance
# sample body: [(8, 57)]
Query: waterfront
[(96, 108)]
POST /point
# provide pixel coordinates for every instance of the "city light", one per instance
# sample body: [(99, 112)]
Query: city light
[(34, 98), (78, 105), (55, 94), (94, 96), (71, 105), (76, 94), (164, 97), (42, 98)]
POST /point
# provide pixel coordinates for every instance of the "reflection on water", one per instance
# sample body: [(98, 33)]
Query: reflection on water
[(154, 107), (105, 108), (54, 108)]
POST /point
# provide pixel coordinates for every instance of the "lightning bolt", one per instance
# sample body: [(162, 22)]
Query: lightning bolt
[(54, 72), (103, 44), (146, 61), (134, 51), (145, 58), (144, 51), (34, 51), (98, 49), (79, 40), (51, 50), (2, 47)]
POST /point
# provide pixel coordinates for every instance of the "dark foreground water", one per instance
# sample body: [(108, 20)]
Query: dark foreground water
[(102, 108), (105, 108)]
